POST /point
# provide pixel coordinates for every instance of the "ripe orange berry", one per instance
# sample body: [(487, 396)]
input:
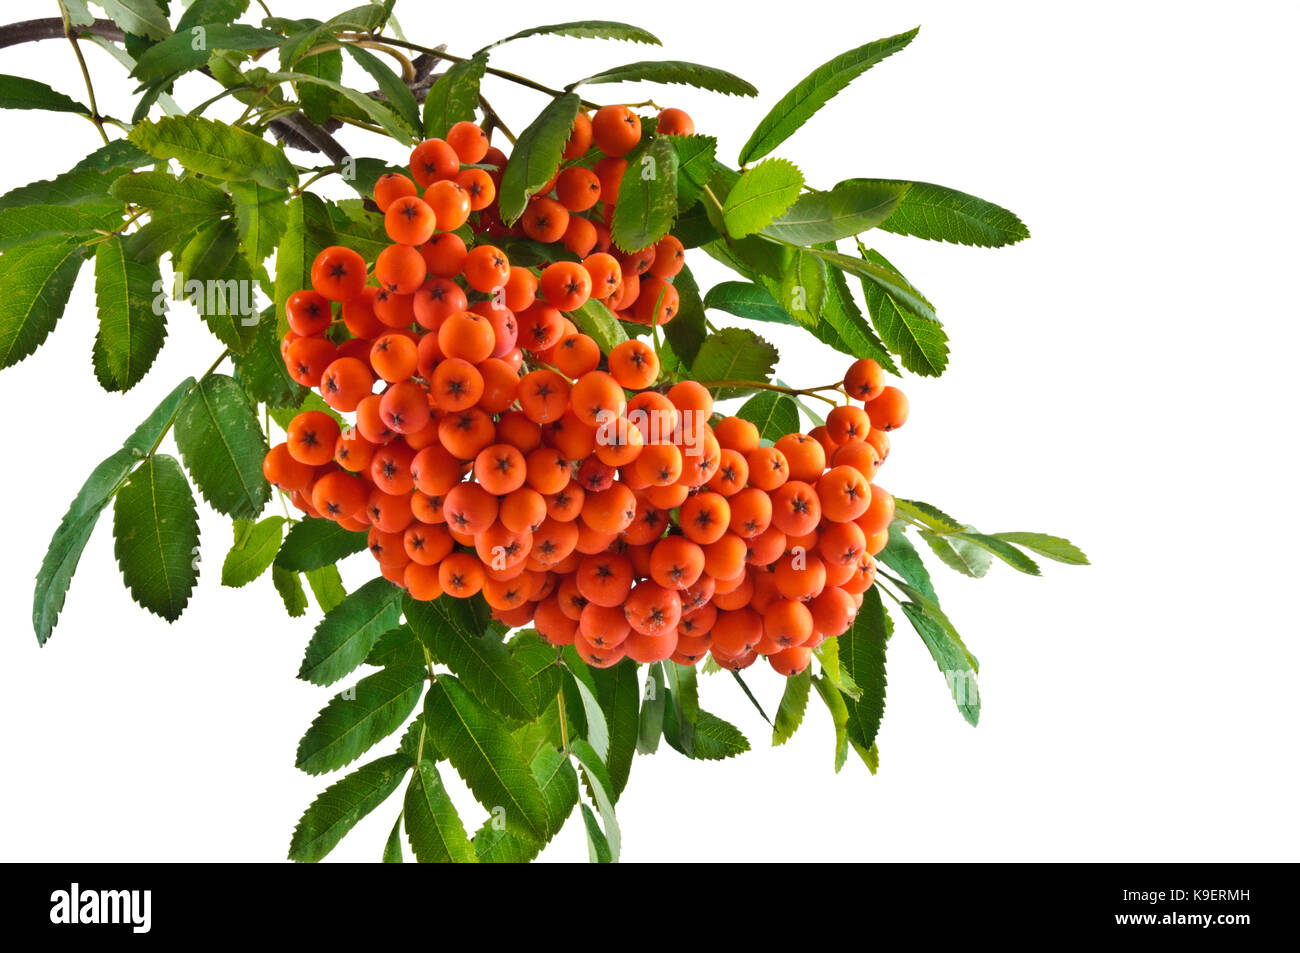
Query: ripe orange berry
[(352, 451), (879, 441), (500, 384), (597, 397), (470, 509), (345, 383), (705, 517), (787, 623), (610, 171), (544, 220), (659, 464), (461, 575), (405, 407), (751, 512), (543, 396), (845, 493), (338, 273), (580, 138), (847, 423), (576, 354), (339, 495), (736, 631), (486, 268), (433, 160), (435, 300), (283, 470), (478, 185), (580, 236), (410, 221), (394, 357), (858, 454), (311, 437), (833, 611), (732, 474), (444, 255), (606, 274), (888, 411), (796, 508), (657, 302), (768, 468), (394, 310), (548, 471), (841, 544), (308, 312), (879, 514), (307, 358), (616, 130), (469, 141), (652, 610), (634, 364), (805, 458), (800, 575), (864, 380), (520, 289), (610, 510), (390, 468), (500, 469), (724, 558), (675, 122), (465, 432), (450, 204), (370, 424), (392, 186), (790, 661), (523, 509), (566, 285), (670, 257), (359, 314), (577, 188), (676, 562), (400, 269)]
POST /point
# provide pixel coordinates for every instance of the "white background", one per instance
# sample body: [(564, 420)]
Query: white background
[(1126, 378)]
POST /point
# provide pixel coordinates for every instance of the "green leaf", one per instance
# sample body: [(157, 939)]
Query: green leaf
[(773, 413), (695, 165), (673, 72), (541, 665), (19, 92), (952, 658), (253, 555), (794, 702), (211, 11), (327, 586), (453, 97), (131, 329), (687, 331), (619, 693), (64, 551), (163, 191), (760, 195), (37, 281), (156, 536), (734, 354), (813, 91), (484, 753), (397, 646), (460, 636), (262, 372), (341, 805), (433, 827), (536, 156), (216, 149), (190, 48), (901, 556), (597, 844), (845, 329), (223, 447), (260, 217), (396, 92), (716, 739), (360, 717), (839, 717), (651, 722), (597, 728), (959, 554), (745, 299), (862, 656), (883, 277), (647, 197), (851, 207), (1003, 550), (289, 585), (803, 288), (219, 285), (588, 29), (943, 214), (142, 17), (930, 516), (602, 792), (304, 238), (87, 182), (393, 846), (1053, 547), (348, 632), (918, 340), (313, 543), (559, 786), (318, 101), (78, 13), (596, 320), (27, 224)]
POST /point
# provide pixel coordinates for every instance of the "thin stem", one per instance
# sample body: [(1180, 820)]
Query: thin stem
[(764, 385), (564, 721), (493, 120), (85, 74)]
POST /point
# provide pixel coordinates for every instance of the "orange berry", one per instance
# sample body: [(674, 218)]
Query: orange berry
[(469, 141), (864, 380), (392, 186), (400, 269), (338, 273), (675, 122), (616, 130), (410, 221), (888, 411), (433, 160), (450, 203), (634, 364)]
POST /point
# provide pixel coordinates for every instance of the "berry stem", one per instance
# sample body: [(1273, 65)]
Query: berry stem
[(85, 73), (764, 385)]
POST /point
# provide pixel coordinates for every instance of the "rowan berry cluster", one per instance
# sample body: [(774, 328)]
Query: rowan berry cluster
[(495, 449)]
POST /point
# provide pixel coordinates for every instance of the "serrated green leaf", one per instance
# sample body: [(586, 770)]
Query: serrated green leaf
[(965, 557), (223, 447), (647, 197), (672, 72), (393, 846), (619, 693), (558, 782), (396, 92), (433, 826), (453, 97), (349, 631), (943, 214), (262, 372), (773, 413), (733, 354), (848, 209), (803, 288), (1053, 547), (37, 281), (952, 658), (289, 585), (260, 217), (1001, 549), (813, 91), (746, 299), (601, 787), (760, 195), (304, 238), (695, 165), (211, 11), (687, 331), (460, 637), (216, 149), (876, 276), (598, 851), (341, 805), (397, 646), (596, 320), (141, 17), (313, 543), (484, 753), (87, 182), (317, 100), (536, 156), (794, 702), (901, 556), (928, 515), (541, 665), (597, 728), (190, 48), (716, 739), (19, 92), (360, 717), (327, 586), (156, 536), (862, 656), (218, 284), (163, 191), (253, 555), (651, 722), (844, 328), (131, 329), (839, 711), (588, 29), (918, 340), (27, 224), (78, 13)]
